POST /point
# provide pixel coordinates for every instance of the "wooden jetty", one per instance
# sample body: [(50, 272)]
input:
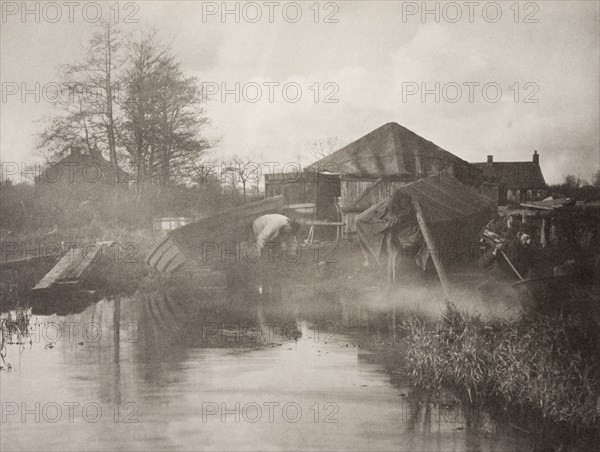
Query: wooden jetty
[(71, 268), (189, 244)]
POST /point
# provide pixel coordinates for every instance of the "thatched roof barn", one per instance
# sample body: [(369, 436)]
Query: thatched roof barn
[(372, 167)]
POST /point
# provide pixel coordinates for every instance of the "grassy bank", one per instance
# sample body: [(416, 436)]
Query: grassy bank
[(545, 366)]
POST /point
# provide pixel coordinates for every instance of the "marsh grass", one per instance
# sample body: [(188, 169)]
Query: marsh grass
[(14, 329), (16, 282), (545, 366)]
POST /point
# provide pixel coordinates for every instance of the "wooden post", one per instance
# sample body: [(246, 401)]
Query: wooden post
[(511, 265), (391, 259), (117, 328), (553, 233), (394, 324), (439, 266), (543, 240), (116, 344)]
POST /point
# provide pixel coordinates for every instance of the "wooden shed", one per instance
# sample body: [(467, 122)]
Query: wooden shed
[(310, 197), (371, 168)]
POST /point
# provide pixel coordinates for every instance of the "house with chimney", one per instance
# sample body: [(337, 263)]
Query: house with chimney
[(82, 166), (517, 181)]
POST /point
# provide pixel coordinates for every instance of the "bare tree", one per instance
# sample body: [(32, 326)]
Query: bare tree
[(321, 148), (573, 182), (247, 170), (89, 107), (162, 116), (72, 128), (596, 179), (156, 120), (106, 44)]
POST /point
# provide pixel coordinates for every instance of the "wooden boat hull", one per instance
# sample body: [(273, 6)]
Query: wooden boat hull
[(200, 242)]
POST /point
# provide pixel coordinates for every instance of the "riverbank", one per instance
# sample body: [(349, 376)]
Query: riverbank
[(540, 370), (27, 257)]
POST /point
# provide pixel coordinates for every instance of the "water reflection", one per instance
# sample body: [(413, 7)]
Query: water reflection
[(158, 372)]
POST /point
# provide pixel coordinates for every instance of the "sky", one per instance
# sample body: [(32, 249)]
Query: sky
[(498, 79)]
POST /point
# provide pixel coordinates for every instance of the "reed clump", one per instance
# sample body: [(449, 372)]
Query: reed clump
[(545, 366)]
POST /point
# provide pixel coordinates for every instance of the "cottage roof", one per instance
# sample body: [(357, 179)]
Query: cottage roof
[(521, 175), (80, 158)]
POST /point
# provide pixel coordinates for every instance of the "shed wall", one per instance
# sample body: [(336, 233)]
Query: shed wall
[(355, 200)]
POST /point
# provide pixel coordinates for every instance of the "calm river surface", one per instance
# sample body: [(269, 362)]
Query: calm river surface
[(171, 381)]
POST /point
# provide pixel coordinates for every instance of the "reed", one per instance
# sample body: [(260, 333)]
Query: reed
[(545, 366)]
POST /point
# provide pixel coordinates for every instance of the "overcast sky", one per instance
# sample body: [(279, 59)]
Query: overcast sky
[(370, 59)]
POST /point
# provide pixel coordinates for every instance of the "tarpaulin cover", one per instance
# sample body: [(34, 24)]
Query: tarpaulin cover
[(454, 212)]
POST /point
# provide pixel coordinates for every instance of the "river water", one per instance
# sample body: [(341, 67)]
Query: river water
[(171, 377)]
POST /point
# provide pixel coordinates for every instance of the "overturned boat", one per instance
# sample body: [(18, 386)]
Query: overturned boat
[(201, 242)]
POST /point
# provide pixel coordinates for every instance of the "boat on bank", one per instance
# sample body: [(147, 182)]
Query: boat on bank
[(201, 242)]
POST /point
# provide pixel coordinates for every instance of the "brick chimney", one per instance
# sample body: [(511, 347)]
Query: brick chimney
[(490, 159), (536, 158)]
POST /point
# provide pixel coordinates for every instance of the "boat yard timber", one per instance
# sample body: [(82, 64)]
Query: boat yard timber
[(186, 246)]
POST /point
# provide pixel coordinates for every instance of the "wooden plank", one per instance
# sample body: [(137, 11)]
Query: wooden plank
[(439, 266), (82, 261), (511, 265), (366, 192), (50, 278), (305, 205), (324, 223), (71, 267)]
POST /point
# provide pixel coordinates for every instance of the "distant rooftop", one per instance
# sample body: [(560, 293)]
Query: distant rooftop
[(521, 175), (81, 159)]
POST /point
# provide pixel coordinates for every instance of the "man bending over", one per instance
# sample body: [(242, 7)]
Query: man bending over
[(269, 227)]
